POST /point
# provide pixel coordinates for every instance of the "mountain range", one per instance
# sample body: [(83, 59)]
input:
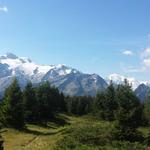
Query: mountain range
[(68, 80)]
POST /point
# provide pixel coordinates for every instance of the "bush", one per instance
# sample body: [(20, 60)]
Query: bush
[(122, 145), (97, 137), (127, 134), (69, 143)]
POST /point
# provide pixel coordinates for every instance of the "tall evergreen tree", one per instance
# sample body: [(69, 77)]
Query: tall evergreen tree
[(45, 102), (129, 114), (12, 106), (111, 103), (106, 103), (30, 103), (62, 103)]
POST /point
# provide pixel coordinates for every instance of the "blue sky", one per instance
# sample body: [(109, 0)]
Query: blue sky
[(94, 36)]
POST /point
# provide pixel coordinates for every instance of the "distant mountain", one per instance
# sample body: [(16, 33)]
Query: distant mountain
[(119, 79), (142, 91), (68, 80), (141, 88)]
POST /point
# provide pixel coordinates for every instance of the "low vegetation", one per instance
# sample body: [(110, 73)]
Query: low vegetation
[(77, 133), (114, 119)]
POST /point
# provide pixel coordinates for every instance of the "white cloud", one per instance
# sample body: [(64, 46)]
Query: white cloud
[(127, 52), (146, 63), (3, 8), (146, 53)]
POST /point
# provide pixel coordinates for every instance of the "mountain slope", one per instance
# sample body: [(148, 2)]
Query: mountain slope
[(142, 91), (68, 80)]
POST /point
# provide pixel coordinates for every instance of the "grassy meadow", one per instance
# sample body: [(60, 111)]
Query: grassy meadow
[(68, 132)]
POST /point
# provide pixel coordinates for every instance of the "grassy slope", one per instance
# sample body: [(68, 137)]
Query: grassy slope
[(36, 137), (44, 138)]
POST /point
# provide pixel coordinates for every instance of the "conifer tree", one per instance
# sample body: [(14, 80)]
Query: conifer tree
[(111, 103), (129, 114), (45, 102), (62, 104), (106, 103), (30, 103), (12, 105)]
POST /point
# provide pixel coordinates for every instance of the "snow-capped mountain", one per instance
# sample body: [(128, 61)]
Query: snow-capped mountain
[(68, 80), (141, 88), (26, 67), (119, 79)]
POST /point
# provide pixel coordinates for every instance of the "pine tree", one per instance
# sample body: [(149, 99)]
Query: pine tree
[(45, 102), (62, 104), (106, 103), (30, 103), (12, 106), (129, 114), (111, 103)]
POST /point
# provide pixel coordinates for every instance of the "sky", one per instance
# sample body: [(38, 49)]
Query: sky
[(93, 36)]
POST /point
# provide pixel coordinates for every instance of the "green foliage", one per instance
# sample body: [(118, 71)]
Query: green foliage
[(85, 136), (79, 105), (30, 104), (49, 101), (45, 103), (130, 110), (129, 115), (71, 144), (95, 137), (33, 105), (127, 134), (147, 109), (106, 103), (12, 107), (42, 102)]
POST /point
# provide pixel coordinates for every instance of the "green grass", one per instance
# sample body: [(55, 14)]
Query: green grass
[(37, 137), (74, 132)]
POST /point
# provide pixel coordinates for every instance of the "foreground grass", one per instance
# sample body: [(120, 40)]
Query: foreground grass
[(34, 137), (59, 134)]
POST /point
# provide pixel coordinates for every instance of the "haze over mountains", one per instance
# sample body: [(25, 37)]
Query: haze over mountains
[(70, 81)]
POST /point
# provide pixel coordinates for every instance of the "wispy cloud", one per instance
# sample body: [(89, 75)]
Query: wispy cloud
[(144, 63), (145, 53), (3, 9), (127, 52), (145, 56)]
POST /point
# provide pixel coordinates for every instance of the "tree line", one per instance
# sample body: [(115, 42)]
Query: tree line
[(40, 104), (32, 105), (118, 104)]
